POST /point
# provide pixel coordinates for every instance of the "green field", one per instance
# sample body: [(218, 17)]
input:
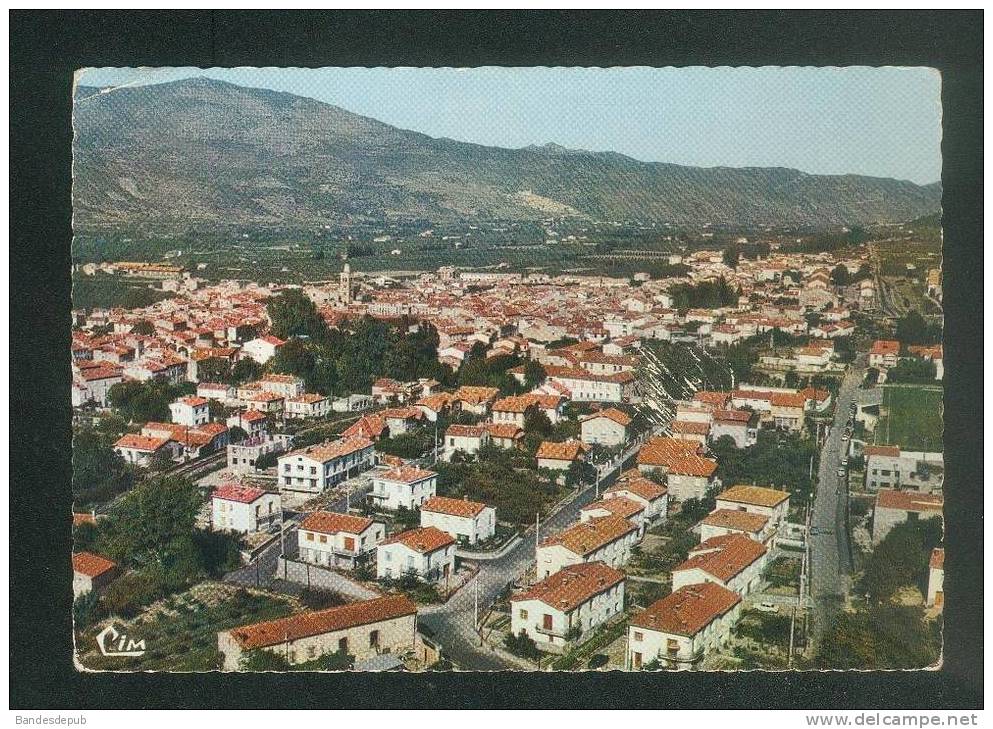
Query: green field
[(911, 417)]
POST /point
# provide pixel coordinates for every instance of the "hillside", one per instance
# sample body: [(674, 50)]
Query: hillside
[(200, 152)]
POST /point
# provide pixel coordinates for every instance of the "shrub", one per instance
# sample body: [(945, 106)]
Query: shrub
[(522, 645)]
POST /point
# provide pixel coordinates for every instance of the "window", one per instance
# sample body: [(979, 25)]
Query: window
[(374, 639), (546, 621), (639, 636), (343, 645), (311, 651), (524, 614), (310, 536), (313, 470), (672, 646), (324, 539)]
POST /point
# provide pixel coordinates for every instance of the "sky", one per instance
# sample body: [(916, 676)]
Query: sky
[(884, 122)]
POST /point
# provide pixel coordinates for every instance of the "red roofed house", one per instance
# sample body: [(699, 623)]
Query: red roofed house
[(560, 456), (404, 486), (244, 509), (688, 474), (742, 426), (896, 507), (427, 552), (788, 410), (634, 486), (568, 604), (884, 353), (252, 422), (362, 629), (331, 539), (91, 572), (679, 629), (372, 427), (192, 411), (606, 539), (607, 427), (733, 561), (262, 349), (622, 506), (318, 467), (936, 579), (141, 449), (468, 521), (465, 438)]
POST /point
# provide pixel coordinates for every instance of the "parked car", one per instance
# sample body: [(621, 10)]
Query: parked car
[(841, 473), (767, 607)]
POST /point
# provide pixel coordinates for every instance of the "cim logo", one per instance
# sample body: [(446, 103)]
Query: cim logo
[(112, 643)]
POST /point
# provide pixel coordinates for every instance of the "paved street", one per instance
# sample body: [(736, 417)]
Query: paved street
[(452, 624), (830, 548)]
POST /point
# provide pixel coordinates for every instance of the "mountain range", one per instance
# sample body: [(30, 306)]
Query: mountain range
[(201, 152)]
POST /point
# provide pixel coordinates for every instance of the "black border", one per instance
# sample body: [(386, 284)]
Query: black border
[(45, 49)]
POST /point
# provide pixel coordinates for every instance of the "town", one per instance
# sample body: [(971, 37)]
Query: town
[(709, 457)]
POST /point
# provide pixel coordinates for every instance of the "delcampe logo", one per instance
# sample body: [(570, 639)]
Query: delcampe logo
[(113, 643)]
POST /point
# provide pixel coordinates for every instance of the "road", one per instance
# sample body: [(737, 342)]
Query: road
[(453, 624), (830, 546)]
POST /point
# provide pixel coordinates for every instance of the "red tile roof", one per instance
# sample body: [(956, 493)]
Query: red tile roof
[(329, 522), (572, 586), (568, 451), (742, 521), (885, 347), (754, 495), (723, 557), (882, 450), (917, 501), (688, 610), (91, 565), (274, 632), (639, 486), (454, 507), (335, 449), (241, 494), (140, 442), (619, 417), (407, 474), (589, 536), (423, 540), (678, 456), (617, 505)]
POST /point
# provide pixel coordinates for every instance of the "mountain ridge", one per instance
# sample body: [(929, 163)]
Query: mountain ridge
[(202, 152)]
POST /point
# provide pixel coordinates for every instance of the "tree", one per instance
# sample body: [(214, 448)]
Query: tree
[(294, 358), (912, 329), (245, 370), (237, 434), (98, 473), (881, 637), (260, 659), (731, 256), (901, 559), (292, 313), (214, 369), (918, 371), (522, 645), (537, 423), (534, 374), (143, 327), (85, 610), (337, 661), (840, 275)]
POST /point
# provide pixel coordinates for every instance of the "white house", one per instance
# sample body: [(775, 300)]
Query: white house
[(936, 579), (560, 456), (361, 629), (307, 405), (468, 521), (141, 449), (427, 552), (733, 561), (316, 468), (91, 572), (286, 385), (622, 506), (608, 427), (771, 503), (726, 521), (896, 507), (632, 485), (331, 539), (688, 474), (568, 604), (605, 539), (465, 438), (262, 349), (679, 629), (253, 422), (404, 486), (192, 411), (244, 509)]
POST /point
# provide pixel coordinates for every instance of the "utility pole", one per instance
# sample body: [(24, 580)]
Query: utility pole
[(475, 608), (789, 656)]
